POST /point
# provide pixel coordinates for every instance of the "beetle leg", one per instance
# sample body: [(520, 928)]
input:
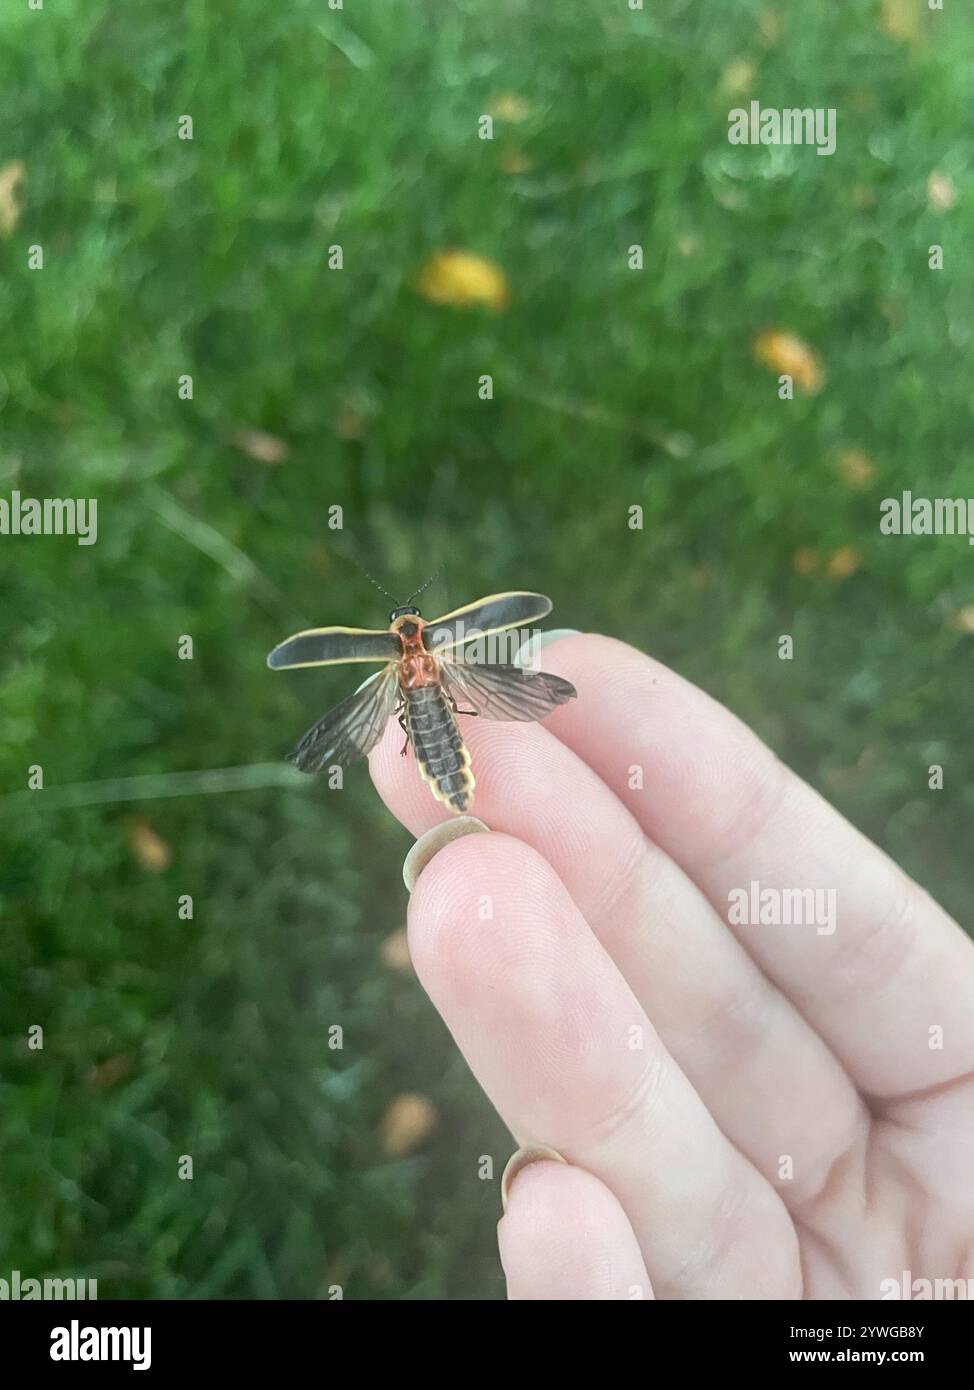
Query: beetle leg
[(401, 715), (458, 710)]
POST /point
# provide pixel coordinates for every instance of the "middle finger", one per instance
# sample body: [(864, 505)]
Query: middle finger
[(769, 1080)]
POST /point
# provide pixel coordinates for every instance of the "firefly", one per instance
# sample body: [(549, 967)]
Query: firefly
[(427, 671)]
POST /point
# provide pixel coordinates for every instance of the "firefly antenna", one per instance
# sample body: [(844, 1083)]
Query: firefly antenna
[(374, 581), (428, 582)]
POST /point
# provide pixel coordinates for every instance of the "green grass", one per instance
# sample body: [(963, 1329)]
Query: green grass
[(611, 388)]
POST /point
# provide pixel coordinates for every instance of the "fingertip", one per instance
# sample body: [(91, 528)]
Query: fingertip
[(565, 1236), (432, 841), (523, 1158), (473, 908), (467, 867)]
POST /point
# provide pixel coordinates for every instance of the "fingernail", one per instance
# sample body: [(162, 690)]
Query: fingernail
[(433, 841), (531, 1153), (527, 654)]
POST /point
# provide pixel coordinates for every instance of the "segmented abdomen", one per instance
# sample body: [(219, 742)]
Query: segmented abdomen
[(436, 740)]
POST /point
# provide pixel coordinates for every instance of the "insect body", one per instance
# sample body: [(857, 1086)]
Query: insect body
[(428, 670), (429, 723)]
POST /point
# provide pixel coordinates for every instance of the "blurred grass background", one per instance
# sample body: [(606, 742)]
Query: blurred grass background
[(612, 388)]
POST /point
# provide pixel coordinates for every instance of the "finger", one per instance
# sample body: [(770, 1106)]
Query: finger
[(561, 1046), (890, 973), (761, 1070), (565, 1236)]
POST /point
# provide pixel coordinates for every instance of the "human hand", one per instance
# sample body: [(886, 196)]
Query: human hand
[(744, 1111)]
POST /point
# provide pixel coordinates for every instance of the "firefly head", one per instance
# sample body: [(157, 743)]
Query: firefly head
[(404, 611)]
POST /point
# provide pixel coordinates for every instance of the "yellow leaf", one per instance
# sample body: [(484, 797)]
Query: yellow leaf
[(841, 778), (406, 1124), (900, 19), (12, 177), (265, 448), (963, 619), (149, 849), (772, 26), (738, 77), (460, 278), (790, 356), (395, 952), (863, 99), (508, 106), (515, 162), (856, 469), (805, 561), (109, 1073), (381, 1271), (701, 578), (349, 424), (941, 192), (843, 563)]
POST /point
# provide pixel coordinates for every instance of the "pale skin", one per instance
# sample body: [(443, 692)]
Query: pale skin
[(745, 1111)]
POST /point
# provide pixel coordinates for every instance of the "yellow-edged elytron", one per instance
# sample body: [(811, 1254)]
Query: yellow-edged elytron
[(427, 672)]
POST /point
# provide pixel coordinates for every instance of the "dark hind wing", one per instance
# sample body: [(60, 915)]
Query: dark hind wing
[(492, 614), (505, 692), (326, 646), (350, 730)]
